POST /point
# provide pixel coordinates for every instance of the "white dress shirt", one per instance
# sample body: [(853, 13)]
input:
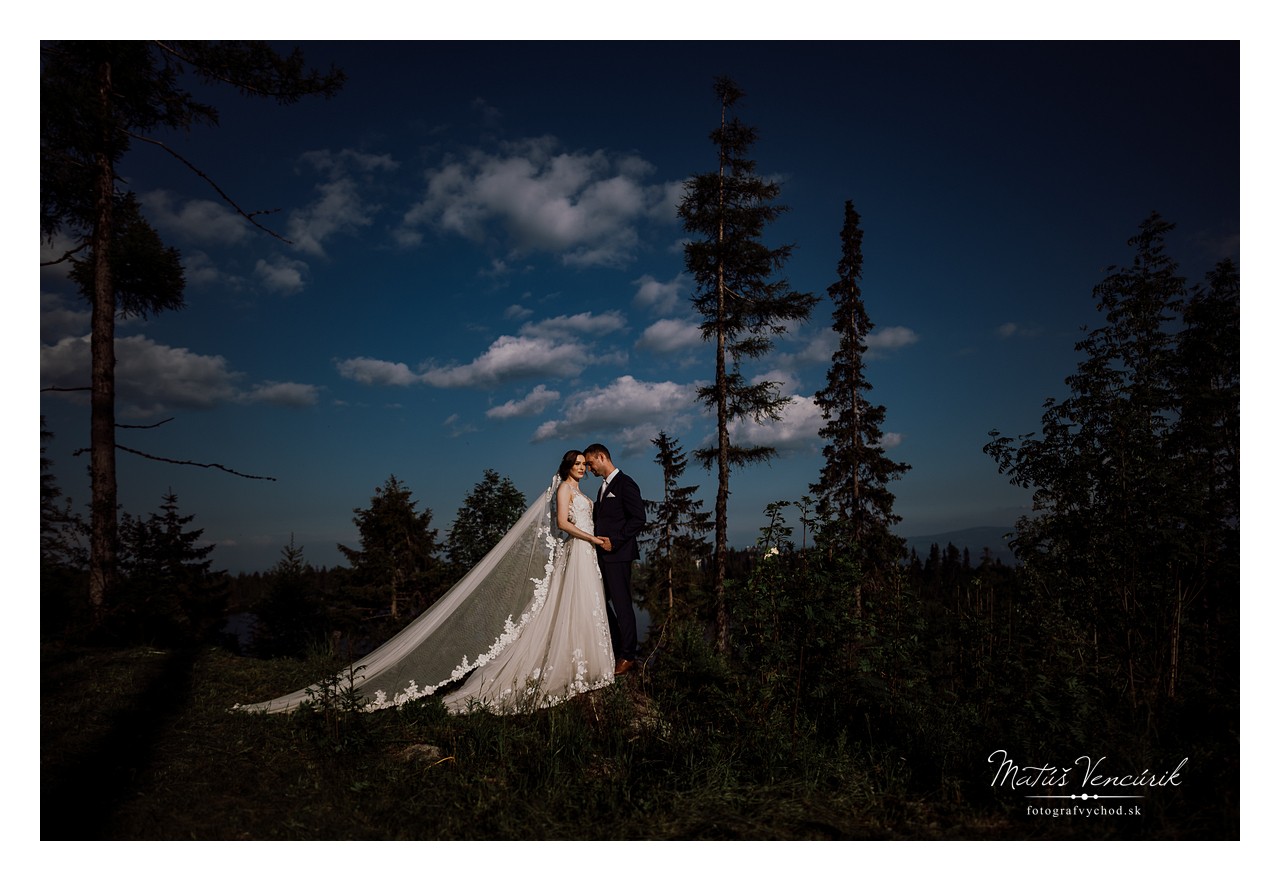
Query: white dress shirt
[(605, 484)]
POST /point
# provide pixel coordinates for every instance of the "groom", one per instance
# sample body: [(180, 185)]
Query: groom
[(619, 518)]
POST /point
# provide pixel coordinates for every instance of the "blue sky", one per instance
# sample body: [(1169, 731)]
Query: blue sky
[(486, 266)]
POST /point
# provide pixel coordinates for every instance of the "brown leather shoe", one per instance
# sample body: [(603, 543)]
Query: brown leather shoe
[(626, 665)]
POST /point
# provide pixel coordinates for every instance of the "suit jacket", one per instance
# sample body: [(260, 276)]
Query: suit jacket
[(620, 516)]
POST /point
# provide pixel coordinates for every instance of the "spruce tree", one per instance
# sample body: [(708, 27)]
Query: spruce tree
[(290, 619), (743, 305), (169, 593), (491, 508), (679, 524), (398, 546), (855, 505)]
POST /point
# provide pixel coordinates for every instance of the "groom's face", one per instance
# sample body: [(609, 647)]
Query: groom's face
[(593, 462)]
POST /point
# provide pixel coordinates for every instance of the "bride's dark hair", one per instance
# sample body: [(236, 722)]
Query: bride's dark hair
[(567, 463)]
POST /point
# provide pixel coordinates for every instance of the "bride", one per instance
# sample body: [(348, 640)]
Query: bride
[(526, 628)]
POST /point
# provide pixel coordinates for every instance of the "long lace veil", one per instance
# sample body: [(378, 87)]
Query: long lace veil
[(464, 629)]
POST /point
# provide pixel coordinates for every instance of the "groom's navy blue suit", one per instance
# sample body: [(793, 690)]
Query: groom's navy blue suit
[(619, 515)]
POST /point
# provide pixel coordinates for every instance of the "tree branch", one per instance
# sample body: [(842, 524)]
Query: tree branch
[(291, 85), (66, 256), (156, 425), (247, 215), (181, 462), (182, 56)]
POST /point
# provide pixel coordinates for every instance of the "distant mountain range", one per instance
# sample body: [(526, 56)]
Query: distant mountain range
[(975, 539)]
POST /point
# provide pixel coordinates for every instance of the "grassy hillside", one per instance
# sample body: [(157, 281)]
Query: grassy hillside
[(139, 744)]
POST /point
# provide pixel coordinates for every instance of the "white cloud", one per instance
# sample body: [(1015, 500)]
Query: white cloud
[(581, 206), (199, 269), (339, 209), (889, 338), (294, 395), (890, 439), (281, 274), (153, 378), (668, 335), (821, 348), (796, 429), (371, 371), (66, 362), (513, 358), (150, 377), (786, 382), (516, 312), (546, 349), (341, 206), (570, 326), (58, 321), (530, 405), (628, 412), (660, 296), (156, 377), (196, 220)]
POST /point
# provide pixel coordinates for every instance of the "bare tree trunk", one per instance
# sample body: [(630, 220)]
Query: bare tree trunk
[(722, 425), (722, 493), (669, 548), (102, 418), (859, 452)]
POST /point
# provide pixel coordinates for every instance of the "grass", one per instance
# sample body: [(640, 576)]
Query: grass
[(142, 744)]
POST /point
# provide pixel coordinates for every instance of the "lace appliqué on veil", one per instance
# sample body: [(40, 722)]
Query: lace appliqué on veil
[(510, 632), (535, 603), (576, 595)]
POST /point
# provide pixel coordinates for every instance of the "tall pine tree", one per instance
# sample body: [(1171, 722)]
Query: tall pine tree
[(743, 305), (855, 505), (98, 98)]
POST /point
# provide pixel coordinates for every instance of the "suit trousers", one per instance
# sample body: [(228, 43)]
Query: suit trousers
[(622, 614)]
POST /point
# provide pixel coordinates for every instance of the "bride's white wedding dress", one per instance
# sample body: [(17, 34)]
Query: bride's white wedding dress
[(564, 649), (527, 625)]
